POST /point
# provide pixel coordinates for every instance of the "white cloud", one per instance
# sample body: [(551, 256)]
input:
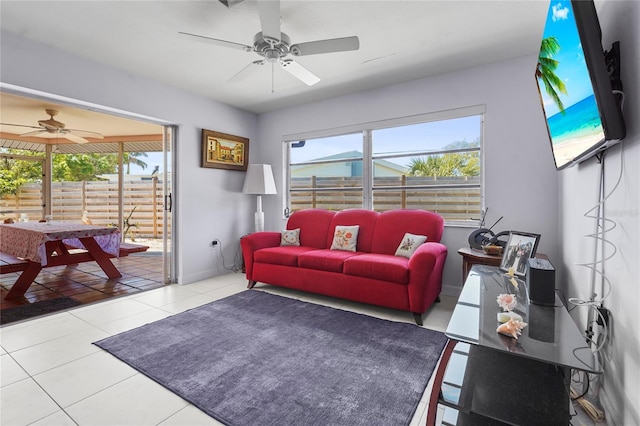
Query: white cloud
[(559, 12)]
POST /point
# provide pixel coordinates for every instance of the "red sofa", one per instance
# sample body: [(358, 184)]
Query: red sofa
[(372, 274)]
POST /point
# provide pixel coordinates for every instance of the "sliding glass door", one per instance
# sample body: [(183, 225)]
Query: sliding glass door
[(123, 178), (168, 262)]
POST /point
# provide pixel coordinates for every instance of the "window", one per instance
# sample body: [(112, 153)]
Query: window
[(430, 162)]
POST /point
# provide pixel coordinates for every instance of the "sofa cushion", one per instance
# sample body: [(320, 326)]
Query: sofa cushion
[(282, 255), (365, 219), (409, 244), (314, 226), (345, 238), (290, 237), (325, 260), (378, 266), (393, 224)]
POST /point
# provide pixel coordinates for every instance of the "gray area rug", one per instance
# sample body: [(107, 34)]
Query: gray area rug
[(259, 359)]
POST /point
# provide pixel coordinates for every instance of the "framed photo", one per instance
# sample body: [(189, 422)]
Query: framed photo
[(520, 247), (223, 151)]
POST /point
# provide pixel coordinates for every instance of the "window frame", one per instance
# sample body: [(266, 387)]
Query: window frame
[(368, 158)]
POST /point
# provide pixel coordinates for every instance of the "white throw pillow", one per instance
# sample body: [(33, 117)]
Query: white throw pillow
[(290, 237), (345, 238), (409, 244)]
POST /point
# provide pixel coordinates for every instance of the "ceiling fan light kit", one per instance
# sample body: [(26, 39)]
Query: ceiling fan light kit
[(274, 46)]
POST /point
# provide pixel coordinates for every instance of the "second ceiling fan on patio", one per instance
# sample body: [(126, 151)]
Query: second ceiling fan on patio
[(54, 126), (274, 46)]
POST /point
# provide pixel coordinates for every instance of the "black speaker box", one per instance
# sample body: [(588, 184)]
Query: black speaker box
[(541, 281)]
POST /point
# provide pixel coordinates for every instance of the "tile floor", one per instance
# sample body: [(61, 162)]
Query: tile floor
[(51, 374)]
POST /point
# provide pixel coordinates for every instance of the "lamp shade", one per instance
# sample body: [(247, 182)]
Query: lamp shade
[(259, 180)]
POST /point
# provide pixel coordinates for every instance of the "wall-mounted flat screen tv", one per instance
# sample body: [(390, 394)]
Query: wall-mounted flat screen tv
[(579, 84)]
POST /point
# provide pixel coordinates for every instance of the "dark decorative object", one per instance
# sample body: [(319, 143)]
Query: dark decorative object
[(485, 236)]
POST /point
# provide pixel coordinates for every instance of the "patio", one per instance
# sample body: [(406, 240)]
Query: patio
[(83, 283)]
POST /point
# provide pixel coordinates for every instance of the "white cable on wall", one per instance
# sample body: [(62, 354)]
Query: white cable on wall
[(603, 225)]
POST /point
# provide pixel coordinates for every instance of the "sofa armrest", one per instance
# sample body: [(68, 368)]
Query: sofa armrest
[(426, 266), (256, 241)]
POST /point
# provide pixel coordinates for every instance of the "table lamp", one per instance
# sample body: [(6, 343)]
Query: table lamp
[(259, 181)]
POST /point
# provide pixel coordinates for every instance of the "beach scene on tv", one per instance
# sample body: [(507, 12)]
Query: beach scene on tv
[(565, 87)]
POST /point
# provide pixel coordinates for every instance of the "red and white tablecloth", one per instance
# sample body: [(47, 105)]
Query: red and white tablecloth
[(27, 239)]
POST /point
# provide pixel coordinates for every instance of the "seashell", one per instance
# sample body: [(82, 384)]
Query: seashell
[(511, 328), (506, 316), (507, 302)]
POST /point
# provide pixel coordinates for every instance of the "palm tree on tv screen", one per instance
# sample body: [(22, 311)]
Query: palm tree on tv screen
[(545, 71)]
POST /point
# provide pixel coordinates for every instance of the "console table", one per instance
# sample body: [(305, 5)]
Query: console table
[(485, 377), (472, 257)]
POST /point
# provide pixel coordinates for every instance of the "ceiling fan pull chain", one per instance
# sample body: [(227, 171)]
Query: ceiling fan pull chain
[(273, 79)]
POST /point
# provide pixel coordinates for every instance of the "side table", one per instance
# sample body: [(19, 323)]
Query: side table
[(472, 257)]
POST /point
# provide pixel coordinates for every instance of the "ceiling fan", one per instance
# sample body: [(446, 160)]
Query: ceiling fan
[(274, 46), (55, 127)]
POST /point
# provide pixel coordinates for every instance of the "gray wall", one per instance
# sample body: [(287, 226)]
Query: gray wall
[(520, 179), (620, 393)]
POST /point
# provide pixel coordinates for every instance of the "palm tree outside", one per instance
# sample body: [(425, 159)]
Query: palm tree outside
[(129, 158), (545, 71), (452, 164)]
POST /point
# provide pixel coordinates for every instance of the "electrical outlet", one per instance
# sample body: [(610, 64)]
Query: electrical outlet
[(604, 314)]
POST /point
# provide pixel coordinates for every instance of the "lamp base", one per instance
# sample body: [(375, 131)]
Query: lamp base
[(259, 221)]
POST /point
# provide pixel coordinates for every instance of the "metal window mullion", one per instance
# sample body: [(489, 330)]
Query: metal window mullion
[(367, 170), (286, 209), (328, 189), (444, 186), (337, 160), (425, 153)]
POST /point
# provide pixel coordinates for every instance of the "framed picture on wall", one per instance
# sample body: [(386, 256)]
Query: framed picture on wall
[(520, 247), (223, 151)]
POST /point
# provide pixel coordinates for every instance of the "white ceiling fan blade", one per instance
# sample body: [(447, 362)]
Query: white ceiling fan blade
[(217, 42), (86, 133), (37, 132), (269, 11), (245, 72), (20, 125), (326, 46), (300, 72), (74, 138)]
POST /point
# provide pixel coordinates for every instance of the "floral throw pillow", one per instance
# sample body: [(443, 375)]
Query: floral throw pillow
[(290, 237), (345, 238), (409, 244)]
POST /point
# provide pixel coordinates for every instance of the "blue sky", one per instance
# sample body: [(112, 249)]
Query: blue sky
[(572, 68), (425, 136), (153, 159)]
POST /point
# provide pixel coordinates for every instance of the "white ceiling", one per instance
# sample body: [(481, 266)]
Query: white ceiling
[(399, 41)]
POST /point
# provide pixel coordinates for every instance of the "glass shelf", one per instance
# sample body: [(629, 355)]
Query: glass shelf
[(550, 336), (496, 385)]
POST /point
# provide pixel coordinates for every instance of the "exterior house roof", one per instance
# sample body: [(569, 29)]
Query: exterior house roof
[(382, 167)]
